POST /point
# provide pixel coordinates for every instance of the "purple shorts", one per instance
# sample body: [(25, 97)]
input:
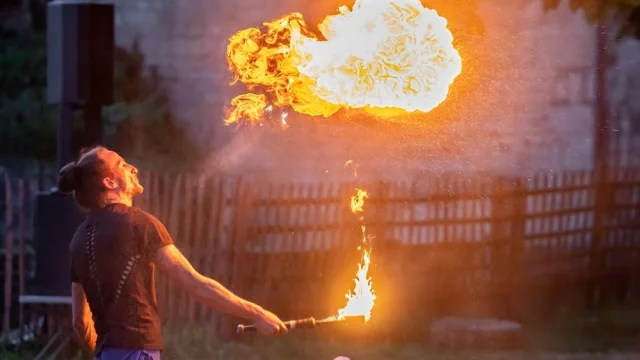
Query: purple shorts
[(128, 354)]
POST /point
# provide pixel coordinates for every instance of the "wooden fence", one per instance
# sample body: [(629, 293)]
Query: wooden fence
[(16, 208), (514, 248)]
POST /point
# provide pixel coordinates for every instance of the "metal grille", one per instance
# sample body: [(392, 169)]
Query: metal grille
[(131, 265), (91, 256)]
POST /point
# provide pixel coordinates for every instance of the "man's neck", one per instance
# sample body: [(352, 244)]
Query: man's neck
[(119, 200)]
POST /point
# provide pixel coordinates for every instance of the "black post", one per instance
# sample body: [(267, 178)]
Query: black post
[(65, 122), (80, 66), (93, 125), (602, 151), (601, 157)]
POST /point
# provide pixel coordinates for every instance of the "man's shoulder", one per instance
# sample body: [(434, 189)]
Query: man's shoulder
[(78, 235), (143, 217)]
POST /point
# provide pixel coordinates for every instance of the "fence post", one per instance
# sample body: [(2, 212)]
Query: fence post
[(381, 249), (8, 259), (508, 229), (516, 280), (499, 236), (235, 251), (21, 249), (596, 254)]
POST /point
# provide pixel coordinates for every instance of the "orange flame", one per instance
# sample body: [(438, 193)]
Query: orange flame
[(357, 201), (361, 300), (381, 54)]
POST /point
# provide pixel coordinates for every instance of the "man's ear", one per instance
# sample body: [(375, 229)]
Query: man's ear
[(109, 183)]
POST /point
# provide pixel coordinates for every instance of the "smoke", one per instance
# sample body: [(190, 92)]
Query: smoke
[(318, 150)]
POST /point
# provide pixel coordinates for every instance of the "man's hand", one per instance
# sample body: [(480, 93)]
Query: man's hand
[(267, 323), (82, 318)]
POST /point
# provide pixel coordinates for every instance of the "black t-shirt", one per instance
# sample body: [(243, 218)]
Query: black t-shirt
[(112, 256)]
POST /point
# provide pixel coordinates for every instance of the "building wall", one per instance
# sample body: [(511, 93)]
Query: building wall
[(523, 103)]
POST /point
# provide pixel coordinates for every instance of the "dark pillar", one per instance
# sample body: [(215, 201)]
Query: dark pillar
[(80, 66), (93, 124), (65, 123), (601, 153)]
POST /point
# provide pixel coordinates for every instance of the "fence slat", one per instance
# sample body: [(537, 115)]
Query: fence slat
[(21, 252), (199, 243), (8, 259), (216, 255)]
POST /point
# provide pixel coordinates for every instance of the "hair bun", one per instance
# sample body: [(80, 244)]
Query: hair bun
[(68, 179)]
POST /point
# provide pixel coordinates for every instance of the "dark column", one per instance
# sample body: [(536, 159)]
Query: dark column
[(65, 123), (93, 124), (80, 66)]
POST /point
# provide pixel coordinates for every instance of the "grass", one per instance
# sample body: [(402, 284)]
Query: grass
[(596, 331), (577, 336)]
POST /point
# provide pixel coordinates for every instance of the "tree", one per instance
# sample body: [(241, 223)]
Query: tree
[(28, 123), (596, 11), (139, 124)]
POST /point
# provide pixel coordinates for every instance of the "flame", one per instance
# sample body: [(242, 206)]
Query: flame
[(248, 106), (361, 300), (382, 55), (355, 169), (357, 201)]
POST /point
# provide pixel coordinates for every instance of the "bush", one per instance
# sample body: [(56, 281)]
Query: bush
[(139, 124)]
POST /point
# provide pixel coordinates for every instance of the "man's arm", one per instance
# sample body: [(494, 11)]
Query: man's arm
[(82, 319), (171, 261)]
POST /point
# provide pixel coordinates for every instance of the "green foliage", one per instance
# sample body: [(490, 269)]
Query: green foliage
[(138, 124), (28, 125), (595, 11)]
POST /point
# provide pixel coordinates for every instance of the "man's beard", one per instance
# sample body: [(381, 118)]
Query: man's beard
[(136, 187), (133, 187)]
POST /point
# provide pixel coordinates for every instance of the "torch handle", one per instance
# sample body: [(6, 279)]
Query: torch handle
[(307, 323)]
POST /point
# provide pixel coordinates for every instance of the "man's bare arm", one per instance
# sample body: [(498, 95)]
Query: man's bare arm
[(82, 318), (171, 262)]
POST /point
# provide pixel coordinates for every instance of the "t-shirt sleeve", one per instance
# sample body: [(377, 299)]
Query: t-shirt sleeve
[(74, 276), (154, 235), (72, 264)]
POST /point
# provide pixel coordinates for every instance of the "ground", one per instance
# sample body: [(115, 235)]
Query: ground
[(605, 334)]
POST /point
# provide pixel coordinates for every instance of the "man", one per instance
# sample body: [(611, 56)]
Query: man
[(114, 253)]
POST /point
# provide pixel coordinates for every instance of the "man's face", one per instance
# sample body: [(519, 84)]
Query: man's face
[(125, 174)]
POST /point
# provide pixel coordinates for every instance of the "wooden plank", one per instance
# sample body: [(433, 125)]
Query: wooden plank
[(21, 250), (314, 265), (302, 267), (516, 277), (282, 280), (322, 305), (260, 244), (187, 217), (171, 209), (155, 207), (266, 266), (183, 205), (216, 255), (242, 206), (8, 260), (199, 245)]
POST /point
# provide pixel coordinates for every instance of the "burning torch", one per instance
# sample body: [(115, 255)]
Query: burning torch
[(310, 323), (359, 303)]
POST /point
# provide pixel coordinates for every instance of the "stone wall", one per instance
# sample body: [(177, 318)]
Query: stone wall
[(522, 104)]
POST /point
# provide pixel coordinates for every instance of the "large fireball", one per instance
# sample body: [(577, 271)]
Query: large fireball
[(382, 54)]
